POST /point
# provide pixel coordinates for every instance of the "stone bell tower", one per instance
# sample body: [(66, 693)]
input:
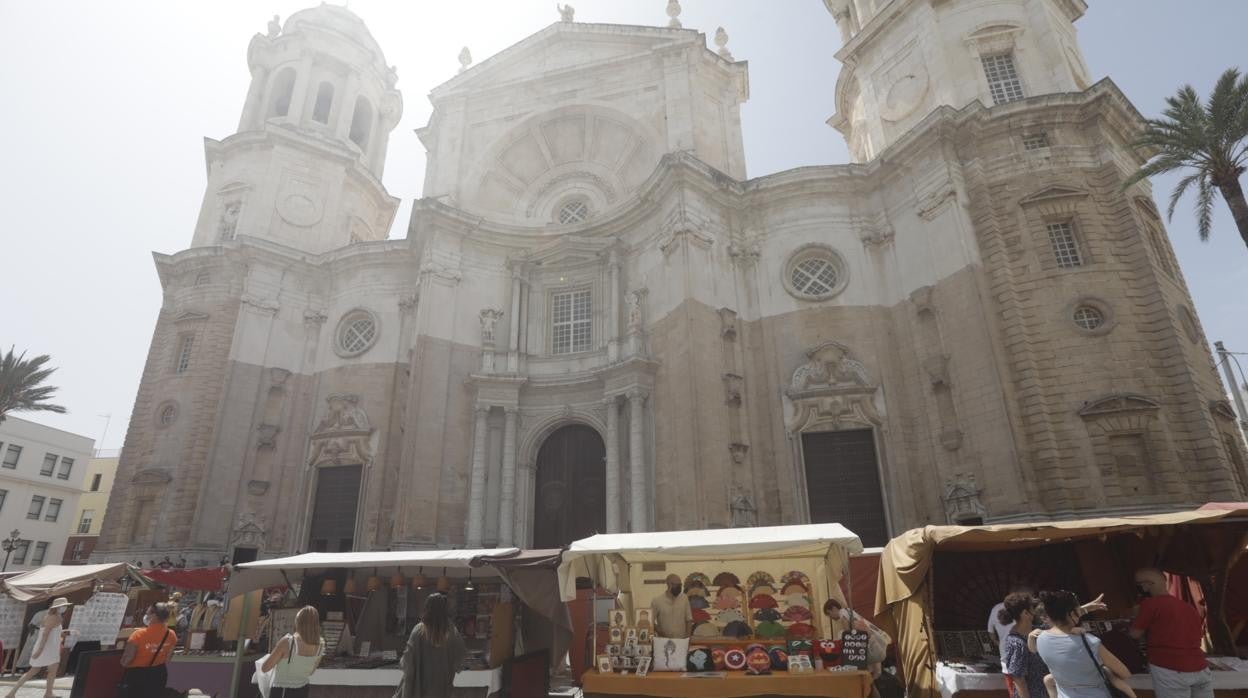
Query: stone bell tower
[(304, 169), (904, 58)]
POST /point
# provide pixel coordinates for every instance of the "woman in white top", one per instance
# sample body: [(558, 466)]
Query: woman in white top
[(296, 656), (47, 652)]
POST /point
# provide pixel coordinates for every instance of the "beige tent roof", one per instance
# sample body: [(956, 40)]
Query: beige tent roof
[(58, 580)]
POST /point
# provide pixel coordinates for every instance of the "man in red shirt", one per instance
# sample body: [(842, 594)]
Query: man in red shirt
[(1174, 631)]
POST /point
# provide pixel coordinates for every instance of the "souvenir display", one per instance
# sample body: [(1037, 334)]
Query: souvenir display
[(643, 618), (724, 579), (618, 618), (643, 666), (699, 615), (697, 579), (779, 657), (643, 650), (630, 635), (699, 659), (757, 661), (763, 601), (830, 652), (614, 650), (616, 635), (643, 635), (670, 654), (604, 664), (706, 629), (717, 658), (770, 630), (800, 630), (800, 647), (699, 602), (759, 578), (800, 664), (734, 659), (766, 614), (737, 629)]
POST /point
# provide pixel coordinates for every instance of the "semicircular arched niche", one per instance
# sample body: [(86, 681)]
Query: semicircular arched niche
[(587, 152)]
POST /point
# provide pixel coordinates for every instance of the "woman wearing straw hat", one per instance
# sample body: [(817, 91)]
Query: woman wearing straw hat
[(47, 653)]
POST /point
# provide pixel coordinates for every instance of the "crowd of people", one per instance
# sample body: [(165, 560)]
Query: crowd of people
[(1046, 653)]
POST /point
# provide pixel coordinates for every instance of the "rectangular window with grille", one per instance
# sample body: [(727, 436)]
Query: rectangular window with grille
[(84, 525), (49, 464), (36, 507), (20, 551), (11, 456), (41, 552), (184, 353), (1065, 246), (4, 494), (1035, 141), (77, 553), (1003, 82), (571, 322), (54, 509), (67, 464)]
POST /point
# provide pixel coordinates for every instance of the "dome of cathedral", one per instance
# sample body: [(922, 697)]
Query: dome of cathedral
[(337, 19)]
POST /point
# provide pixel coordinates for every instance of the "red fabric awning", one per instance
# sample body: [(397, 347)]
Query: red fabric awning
[(194, 579)]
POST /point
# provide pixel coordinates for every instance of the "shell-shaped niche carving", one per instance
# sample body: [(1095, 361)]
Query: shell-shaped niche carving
[(581, 159)]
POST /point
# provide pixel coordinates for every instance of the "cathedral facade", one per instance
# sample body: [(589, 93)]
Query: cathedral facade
[(598, 322)]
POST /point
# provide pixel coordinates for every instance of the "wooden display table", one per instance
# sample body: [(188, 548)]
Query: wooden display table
[(826, 684)]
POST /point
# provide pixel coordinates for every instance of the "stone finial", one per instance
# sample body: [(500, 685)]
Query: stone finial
[(275, 27), (673, 12), (566, 12), (721, 41), (465, 59)]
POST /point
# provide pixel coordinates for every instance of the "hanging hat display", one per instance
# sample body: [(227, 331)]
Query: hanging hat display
[(726, 579), (351, 587), (419, 581)]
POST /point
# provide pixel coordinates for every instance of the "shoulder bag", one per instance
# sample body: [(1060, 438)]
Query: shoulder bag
[(123, 687), (1102, 669)]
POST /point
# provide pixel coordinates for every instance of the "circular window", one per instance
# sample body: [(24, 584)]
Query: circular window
[(572, 212), (357, 332), (166, 414), (1088, 318), (815, 273)]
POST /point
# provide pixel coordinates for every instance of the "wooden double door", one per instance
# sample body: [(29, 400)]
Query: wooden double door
[(570, 487)]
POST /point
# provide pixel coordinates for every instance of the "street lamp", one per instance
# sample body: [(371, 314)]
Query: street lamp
[(10, 544)]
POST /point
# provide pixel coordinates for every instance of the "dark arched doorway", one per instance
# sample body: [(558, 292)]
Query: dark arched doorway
[(569, 491)]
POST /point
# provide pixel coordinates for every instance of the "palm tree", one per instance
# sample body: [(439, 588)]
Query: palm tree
[(21, 388), (1210, 139)]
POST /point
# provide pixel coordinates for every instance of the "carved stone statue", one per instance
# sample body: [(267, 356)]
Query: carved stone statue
[(489, 319), (634, 300), (721, 41), (566, 12), (343, 436), (465, 59), (275, 27), (673, 12), (228, 225), (744, 513)]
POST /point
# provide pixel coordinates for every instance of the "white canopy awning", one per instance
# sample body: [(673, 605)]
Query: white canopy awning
[(596, 557), (58, 580), (250, 576)]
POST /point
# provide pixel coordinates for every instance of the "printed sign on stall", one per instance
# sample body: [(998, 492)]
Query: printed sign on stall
[(99, 619), (12, 613), (854, 645)]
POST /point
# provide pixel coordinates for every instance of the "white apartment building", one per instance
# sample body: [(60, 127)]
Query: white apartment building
[(41, 479)]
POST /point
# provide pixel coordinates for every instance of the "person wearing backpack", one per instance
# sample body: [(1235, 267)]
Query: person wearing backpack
[(146, 655), (296, 656)]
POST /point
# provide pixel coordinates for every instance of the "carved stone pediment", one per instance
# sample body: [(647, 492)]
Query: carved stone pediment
[(1117, 404), (962, 499), (248, 531), (344, 435), (831, 390), (1052, 193)]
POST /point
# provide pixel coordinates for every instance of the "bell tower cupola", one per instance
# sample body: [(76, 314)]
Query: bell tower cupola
[(304, 169), (902, 59)]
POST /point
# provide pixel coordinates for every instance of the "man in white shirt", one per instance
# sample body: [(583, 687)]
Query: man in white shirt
[(672, 615)]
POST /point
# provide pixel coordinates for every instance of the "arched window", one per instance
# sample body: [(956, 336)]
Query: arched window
[(324, 100), (361, 122), (283, 86)]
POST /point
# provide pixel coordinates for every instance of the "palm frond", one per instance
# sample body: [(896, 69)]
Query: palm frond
[(1204, 208), (21, 384)]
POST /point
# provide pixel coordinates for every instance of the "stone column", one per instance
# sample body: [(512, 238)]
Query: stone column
[(255, 103), (507, 500), (476, 492), (636, 458), (299, 95), (513, 347), (613, 465), (613, 317)]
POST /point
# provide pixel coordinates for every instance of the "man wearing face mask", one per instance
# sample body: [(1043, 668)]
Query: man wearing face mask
[(672, 615), (1174, 631)]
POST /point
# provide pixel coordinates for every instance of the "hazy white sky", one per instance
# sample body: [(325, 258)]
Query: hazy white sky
[(105, 105)]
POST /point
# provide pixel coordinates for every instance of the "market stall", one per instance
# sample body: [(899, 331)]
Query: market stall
[(755, 595), (96, 618), (370, 601), (937, 585)]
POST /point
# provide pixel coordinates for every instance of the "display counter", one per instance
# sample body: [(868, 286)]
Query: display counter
[(1226, 684), (370, 683), (733, 684)]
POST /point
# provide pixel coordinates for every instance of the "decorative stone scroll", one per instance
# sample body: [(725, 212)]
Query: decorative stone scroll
[(831, 389), (248, 531), (343, 436)]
